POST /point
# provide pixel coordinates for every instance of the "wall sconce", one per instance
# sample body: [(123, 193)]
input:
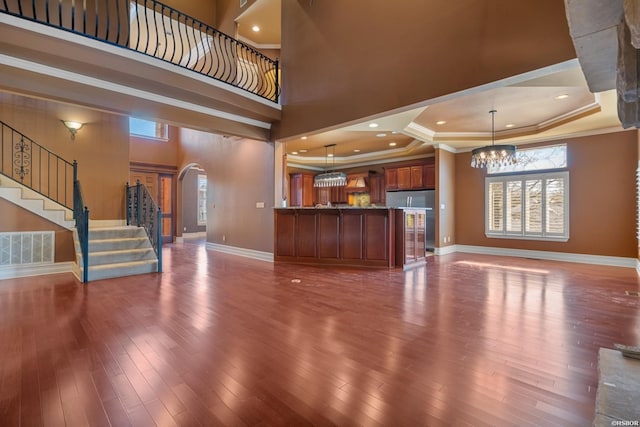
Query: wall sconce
[(73, 127)]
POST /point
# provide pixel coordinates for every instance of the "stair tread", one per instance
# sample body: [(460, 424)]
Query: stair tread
[(120, 251), (122, 264), (119, 239)]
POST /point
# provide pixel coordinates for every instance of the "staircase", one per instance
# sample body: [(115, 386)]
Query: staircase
[(36, 203), (116, 252)]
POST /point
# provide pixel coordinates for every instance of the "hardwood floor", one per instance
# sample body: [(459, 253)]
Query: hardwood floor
[(223, 340)]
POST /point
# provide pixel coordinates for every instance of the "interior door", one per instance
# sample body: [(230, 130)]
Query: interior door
[(161, 188), (165, 202)]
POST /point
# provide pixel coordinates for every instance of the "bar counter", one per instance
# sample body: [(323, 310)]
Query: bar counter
[(335, 236)]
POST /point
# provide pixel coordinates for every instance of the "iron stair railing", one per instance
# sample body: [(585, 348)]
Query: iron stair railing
[(81, 216), (25, 161), (143, 211), (152, 28)]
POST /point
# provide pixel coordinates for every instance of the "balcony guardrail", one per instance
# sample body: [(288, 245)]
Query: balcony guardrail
[(157, 30), (143, 211)]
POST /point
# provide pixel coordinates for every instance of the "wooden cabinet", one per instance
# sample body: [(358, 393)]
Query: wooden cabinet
[(339, 195), (301, 190), (377, 189), (430, 176), (329, 236), (415, 177), (410, 237), (323, 195), (404, 178), (391, 178)]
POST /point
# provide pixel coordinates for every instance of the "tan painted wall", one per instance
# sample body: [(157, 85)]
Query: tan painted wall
[(15, 218), (239, 174), (602, 195), (345, 60), (445, 195), (101, 147), (204, 11), (156, 152)]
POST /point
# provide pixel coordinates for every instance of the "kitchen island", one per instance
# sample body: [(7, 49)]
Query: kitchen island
[(335, 236)]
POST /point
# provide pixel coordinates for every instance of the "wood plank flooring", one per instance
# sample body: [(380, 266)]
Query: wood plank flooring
[(219, 340)]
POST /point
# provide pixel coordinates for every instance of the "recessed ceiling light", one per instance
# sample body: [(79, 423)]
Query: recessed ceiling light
[(381, 135), (392, 144), (441, 122), (294, 152), (563, 96), (373, 125), (303, 151), (255, 28), (510, 125), (304, 137), (395, 132), (356, 151), (329, 155)]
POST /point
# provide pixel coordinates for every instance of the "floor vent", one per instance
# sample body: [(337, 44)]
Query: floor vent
[(18, 248), (632, 293)]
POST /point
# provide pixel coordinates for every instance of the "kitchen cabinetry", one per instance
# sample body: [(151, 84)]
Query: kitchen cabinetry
[(404, 178), (410, 237), (377, 189), (301, 190), (430, 176), (415, 177), (335, 236), (391, 178)]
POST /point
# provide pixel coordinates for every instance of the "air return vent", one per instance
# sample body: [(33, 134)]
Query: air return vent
[(32, 247)]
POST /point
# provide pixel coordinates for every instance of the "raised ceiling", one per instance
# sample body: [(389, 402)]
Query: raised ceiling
[(543, 105), (265, 14)]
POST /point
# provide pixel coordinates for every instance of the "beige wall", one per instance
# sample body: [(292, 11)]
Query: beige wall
[(445, 197), (204, 11), (101, 147), (155, 152), (15, 218), (602, 199), (377, 58), (239, 173)]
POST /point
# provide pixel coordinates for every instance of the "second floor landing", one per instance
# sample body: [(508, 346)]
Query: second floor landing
[(41, 61)]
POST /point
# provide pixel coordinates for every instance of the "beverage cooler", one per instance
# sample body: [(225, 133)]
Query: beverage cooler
[(410, 237)]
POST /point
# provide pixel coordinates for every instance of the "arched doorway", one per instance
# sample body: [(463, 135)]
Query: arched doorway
[(192, 182)]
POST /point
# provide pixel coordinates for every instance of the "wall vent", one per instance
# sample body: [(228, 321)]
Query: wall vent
[(30, 247)]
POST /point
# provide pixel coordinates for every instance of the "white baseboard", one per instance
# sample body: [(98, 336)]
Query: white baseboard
[(550, 256), (247, 253), (445, 250), (638, 266), (27, 270)]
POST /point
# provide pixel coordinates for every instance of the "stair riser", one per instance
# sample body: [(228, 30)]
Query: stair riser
[(124, 233), (109, 273), (98, 246), (99, 259)]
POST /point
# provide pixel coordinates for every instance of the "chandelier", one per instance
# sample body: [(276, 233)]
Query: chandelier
[(493, 155), (330, 179)]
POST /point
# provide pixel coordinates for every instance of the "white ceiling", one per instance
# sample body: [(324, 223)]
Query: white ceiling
[(527, 102)]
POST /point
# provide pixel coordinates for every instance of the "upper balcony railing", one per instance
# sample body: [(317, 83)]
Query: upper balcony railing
[(152, 28)]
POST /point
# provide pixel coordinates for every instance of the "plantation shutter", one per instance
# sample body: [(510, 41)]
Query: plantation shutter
[(496, 206)]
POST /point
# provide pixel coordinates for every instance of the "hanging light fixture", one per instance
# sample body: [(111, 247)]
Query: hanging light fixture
[(494, 155), (330, 179)]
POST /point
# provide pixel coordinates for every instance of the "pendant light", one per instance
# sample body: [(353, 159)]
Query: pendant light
[(493, 155), (330, 179)]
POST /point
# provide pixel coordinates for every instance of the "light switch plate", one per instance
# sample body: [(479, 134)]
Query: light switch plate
[(260, 205)]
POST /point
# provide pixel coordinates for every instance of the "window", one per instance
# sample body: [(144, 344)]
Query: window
[(535, 159), (533, 205), (148, 129), (202, 200)]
